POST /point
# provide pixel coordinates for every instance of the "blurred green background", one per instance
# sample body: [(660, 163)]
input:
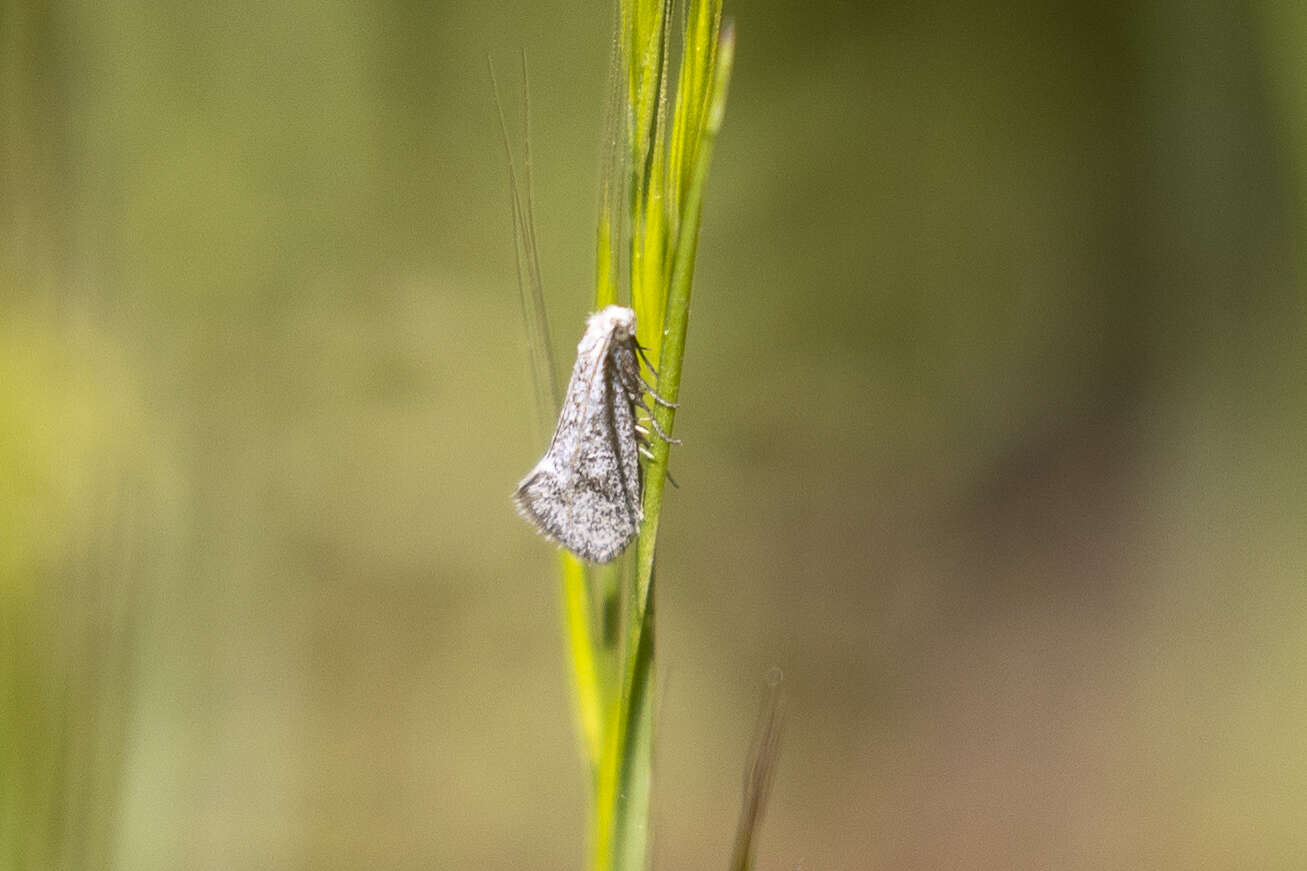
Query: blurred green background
[(994, 412)]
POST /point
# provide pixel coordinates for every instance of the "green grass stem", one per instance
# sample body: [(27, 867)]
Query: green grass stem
[(625, 776), (650, 202)]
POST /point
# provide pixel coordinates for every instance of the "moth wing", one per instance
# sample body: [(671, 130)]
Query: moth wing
[(585, 491), (622, 361)]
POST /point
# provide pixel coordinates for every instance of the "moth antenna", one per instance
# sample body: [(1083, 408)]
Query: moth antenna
[(673, 480), (639, 349)]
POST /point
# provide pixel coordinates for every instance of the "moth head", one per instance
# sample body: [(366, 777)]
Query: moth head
[(615, 319)]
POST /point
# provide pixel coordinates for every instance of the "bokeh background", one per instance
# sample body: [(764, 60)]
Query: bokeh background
[(994, 412)]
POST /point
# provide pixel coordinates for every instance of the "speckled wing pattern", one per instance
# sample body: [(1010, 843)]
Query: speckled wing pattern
[(585, 491)]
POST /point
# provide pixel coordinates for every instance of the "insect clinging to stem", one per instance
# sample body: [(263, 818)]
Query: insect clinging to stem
[(585, 492)]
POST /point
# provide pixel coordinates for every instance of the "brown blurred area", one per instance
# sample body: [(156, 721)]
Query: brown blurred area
[(993, 407)]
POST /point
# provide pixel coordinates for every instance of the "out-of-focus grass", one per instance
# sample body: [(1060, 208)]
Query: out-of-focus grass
[(74, 558), (1280, 28)]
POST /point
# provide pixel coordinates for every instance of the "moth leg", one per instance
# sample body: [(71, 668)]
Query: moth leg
[(664, 436), (658, 429), (656, 398), (635, 388), (637, 399), (648, 455)]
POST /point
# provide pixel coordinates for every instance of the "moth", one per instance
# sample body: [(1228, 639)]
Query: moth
[(585, 493)]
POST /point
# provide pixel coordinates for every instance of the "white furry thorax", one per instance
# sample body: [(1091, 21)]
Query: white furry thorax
[(615, 322)]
